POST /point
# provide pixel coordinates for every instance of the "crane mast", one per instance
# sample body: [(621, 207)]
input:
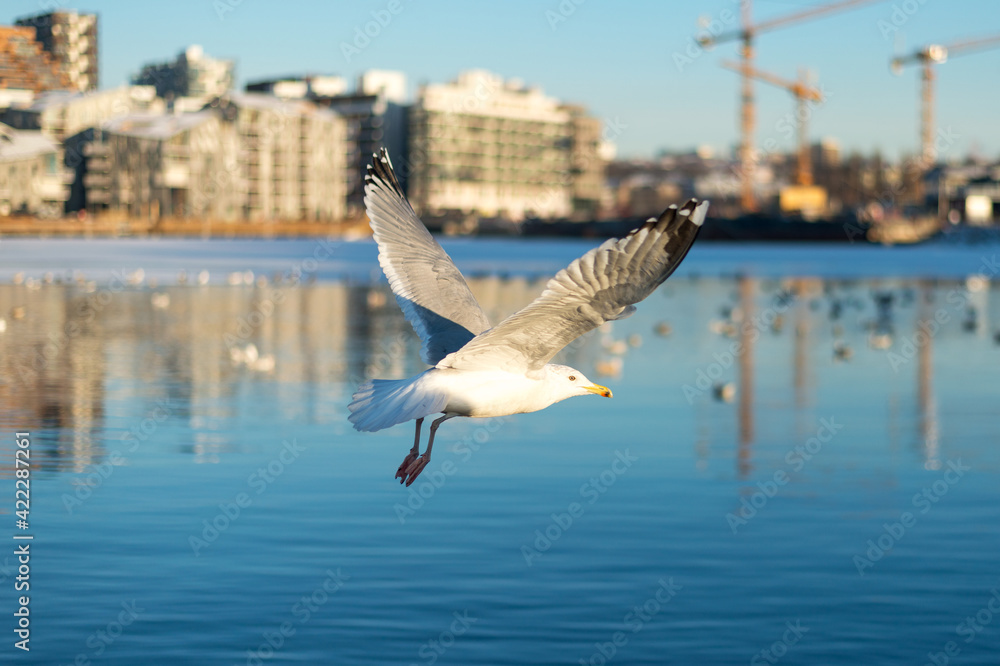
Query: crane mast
[(927, 57), (746, 35), (803, 94)]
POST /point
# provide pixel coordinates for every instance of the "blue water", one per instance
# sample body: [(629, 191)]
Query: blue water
[(189, 507)]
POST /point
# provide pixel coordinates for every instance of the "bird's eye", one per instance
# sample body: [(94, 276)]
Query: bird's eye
[(572, 378)]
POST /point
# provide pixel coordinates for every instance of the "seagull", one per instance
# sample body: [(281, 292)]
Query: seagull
[(479, 370)]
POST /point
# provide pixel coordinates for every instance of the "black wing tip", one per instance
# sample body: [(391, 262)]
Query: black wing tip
[(381, 169), (672, 218), (696, 209), (693, 210)]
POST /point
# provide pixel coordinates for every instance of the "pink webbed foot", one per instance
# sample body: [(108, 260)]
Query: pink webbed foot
[(415, 468), (406, 464)]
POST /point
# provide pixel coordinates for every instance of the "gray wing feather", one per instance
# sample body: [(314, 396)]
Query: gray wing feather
[(430, 290), (600, 286)]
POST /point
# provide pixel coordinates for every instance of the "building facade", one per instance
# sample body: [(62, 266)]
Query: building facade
[(375, 116), (967, 193), (373, 122), (26, 69), (294, 157), (72, 118), (244, 156), (60, 115), (33, 180), (587, 163), (157, 165), (482, 145), (192, 74), (300, 87), (387, 84), (71, 39)]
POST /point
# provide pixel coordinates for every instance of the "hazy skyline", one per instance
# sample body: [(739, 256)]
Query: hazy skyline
[(636, 64)]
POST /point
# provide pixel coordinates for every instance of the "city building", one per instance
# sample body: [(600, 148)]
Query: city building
[(375, 115), (300, 87), (159, 165), (484, 146), (192, 74), (26, 69), (243, 156), (373, 122), (387, 84), (33, 180), (982, 201), (71, 118), (71, 39), (825, 158), (587, 163), (60, 114), (293, 157), (968, 193)]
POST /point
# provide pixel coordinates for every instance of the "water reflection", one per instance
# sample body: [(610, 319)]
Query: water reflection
[(748, 336), (925, 384), (84, 363)]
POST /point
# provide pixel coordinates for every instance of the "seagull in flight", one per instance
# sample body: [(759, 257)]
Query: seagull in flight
[(480, 370)]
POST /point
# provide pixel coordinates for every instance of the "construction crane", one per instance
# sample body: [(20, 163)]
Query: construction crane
[(803, 94), (746, 35), (927, 57)]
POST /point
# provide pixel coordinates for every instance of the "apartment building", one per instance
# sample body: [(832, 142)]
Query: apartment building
[(71, 119), (243, 156), (71, 40), (61, 114), (491, 147), (294, 157), (374, 113), (33, 180), (26, 69), (158, 165), (192, 74), (308, 87), (387, 84), (588, 159), (373, 122)]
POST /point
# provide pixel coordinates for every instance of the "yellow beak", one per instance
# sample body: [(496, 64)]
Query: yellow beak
[(602, 391)]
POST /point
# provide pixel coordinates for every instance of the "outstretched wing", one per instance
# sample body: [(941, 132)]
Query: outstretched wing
[(429, 288), (600, 286)]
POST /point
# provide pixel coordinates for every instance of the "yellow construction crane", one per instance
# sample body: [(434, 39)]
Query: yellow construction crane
[(746, 35), (803, 93), (927, 57)]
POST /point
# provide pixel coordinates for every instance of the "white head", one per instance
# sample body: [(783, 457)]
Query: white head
[(567, 382)]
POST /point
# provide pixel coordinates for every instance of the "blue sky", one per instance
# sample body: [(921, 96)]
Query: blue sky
[(617, 58)]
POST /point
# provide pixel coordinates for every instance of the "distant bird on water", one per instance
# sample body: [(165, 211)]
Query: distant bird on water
[(483, 371)]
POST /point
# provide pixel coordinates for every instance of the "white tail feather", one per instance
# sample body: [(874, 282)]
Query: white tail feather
[(381, 403)]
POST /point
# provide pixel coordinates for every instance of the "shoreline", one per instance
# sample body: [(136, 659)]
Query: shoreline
[(30, 227), (903, 232)]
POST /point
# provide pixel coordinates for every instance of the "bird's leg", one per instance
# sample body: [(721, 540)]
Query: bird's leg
[(412, 455), (417, 466)]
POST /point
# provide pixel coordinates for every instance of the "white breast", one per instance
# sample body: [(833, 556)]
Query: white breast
[(487, 393)]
